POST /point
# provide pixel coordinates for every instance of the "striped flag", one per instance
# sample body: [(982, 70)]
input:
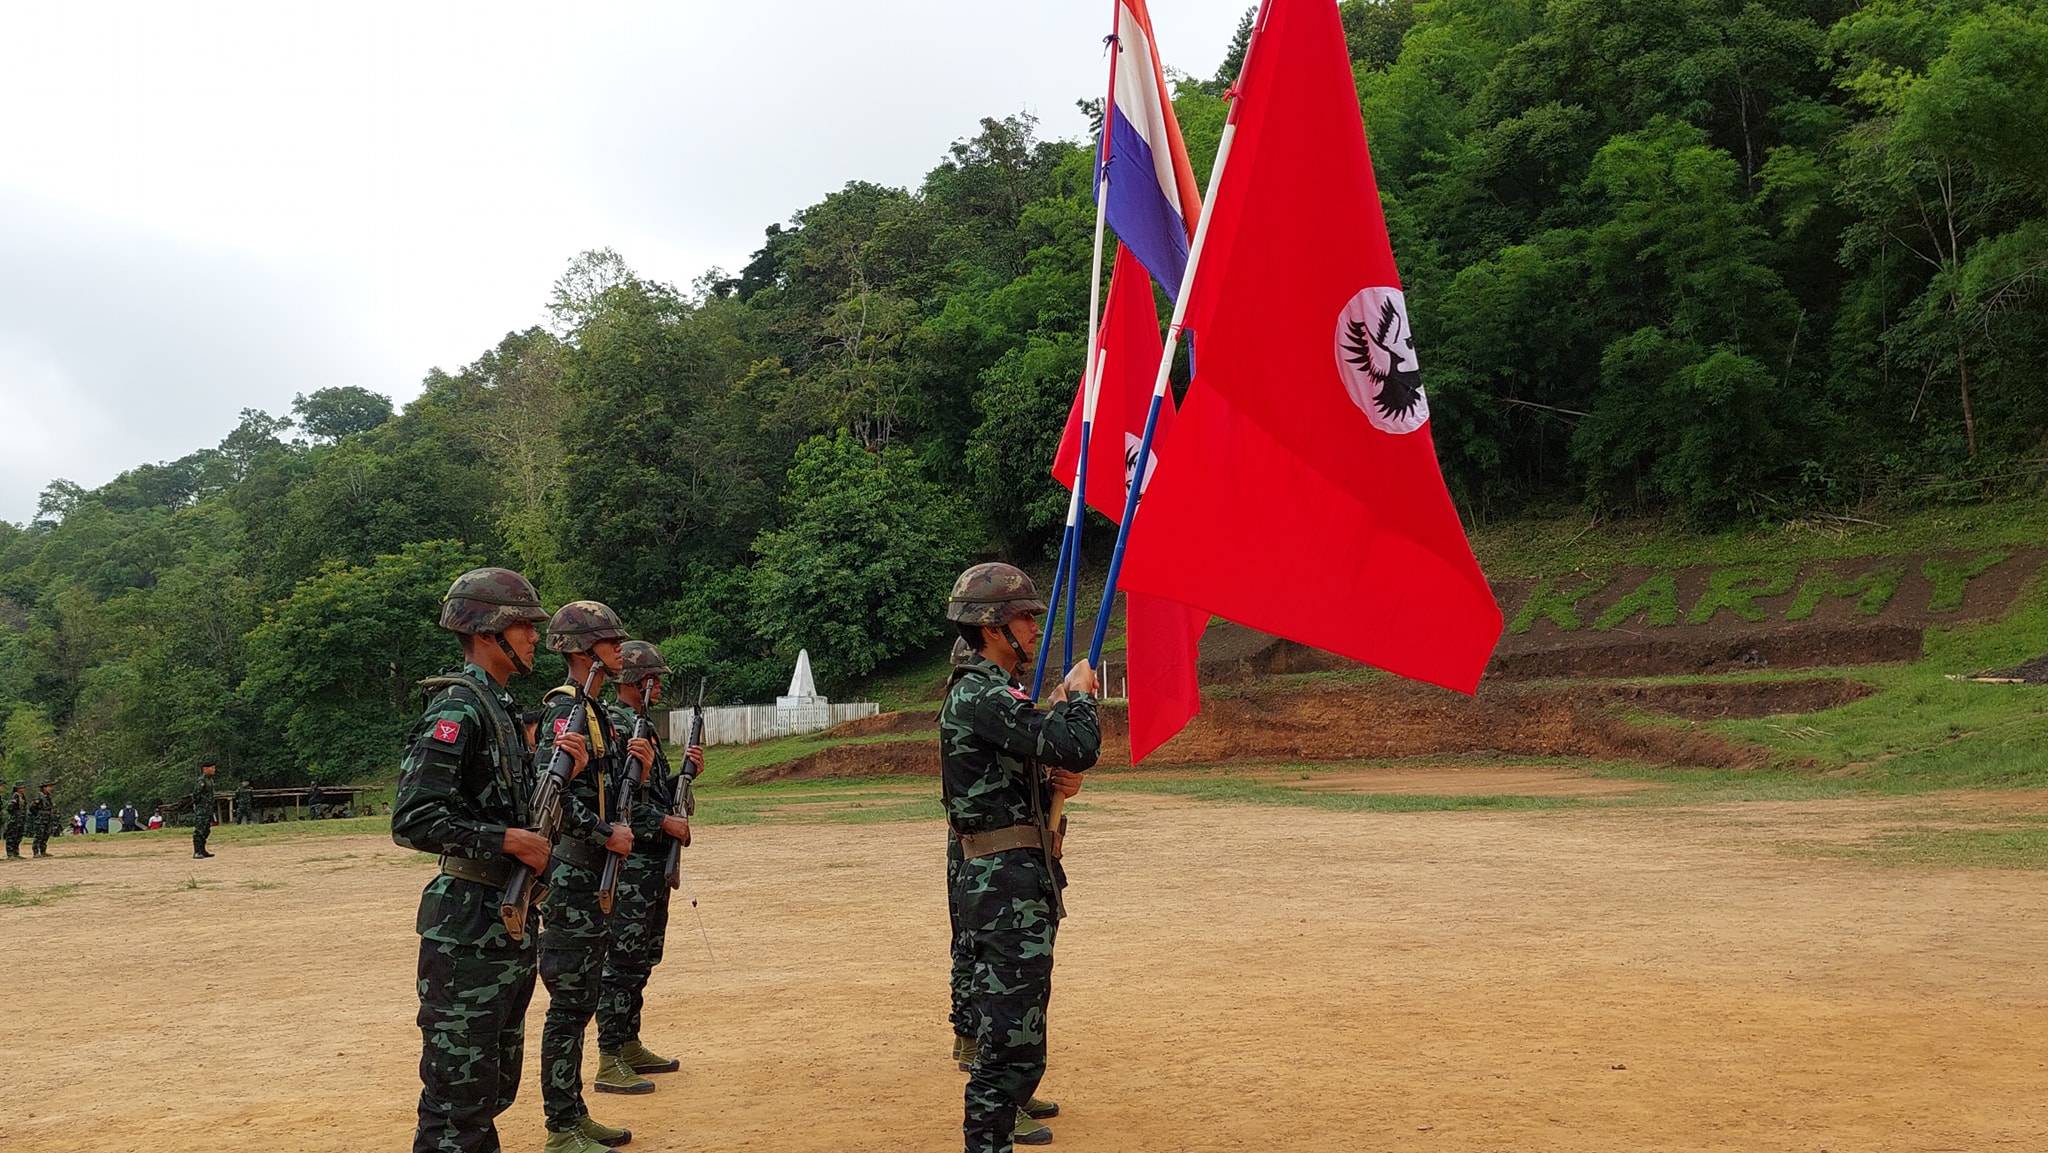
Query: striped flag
[(1153, 202)]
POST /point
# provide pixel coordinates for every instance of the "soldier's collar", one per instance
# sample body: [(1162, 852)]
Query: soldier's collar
[(476, 673), (991, 668)]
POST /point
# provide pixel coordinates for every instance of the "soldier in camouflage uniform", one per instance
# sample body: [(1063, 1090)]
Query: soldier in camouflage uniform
[(202, 811), (245, 804), (464, 792), (994, 748), (639, 920), (17, 819), (42, 819), (573, 927)]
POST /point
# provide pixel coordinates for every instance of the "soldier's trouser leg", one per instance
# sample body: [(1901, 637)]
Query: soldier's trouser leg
[(13, 843), (639, 928), (572, 974), (1005, 904), (199, 835), (962, 979), (41, 844), (472, 1028)]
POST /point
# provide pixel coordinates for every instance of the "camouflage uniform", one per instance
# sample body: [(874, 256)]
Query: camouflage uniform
[(573, 928), (639, 922), (42, 822), (467, 777), (17, 819), (245, 804), (992, 742), (202, 815)]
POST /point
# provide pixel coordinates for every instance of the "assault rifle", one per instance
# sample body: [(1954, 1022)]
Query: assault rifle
[(521, 891), (684, 793), (635, 780)]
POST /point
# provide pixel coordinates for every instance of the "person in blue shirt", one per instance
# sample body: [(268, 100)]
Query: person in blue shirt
[(101, 818)]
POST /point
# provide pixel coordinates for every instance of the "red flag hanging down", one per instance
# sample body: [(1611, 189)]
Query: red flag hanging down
[(1302, 496), (1160, 635), (1130, 334)]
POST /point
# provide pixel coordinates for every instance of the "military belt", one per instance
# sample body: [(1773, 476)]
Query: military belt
[(1003, 840), (581, 854), (482, 872)]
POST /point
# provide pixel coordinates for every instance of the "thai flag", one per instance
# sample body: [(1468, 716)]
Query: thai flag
[(1153, 202)]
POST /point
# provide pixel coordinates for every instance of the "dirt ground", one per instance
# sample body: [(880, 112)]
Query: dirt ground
[(1231, 978)]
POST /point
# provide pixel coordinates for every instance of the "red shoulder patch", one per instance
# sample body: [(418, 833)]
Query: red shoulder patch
[(561, 724), (1020, 694), (447, 732)]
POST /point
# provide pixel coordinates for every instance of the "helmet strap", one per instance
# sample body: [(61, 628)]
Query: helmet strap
[(519, 667), (1024, 658)]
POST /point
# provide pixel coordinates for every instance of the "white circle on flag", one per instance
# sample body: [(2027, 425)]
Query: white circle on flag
[(1377, 362)]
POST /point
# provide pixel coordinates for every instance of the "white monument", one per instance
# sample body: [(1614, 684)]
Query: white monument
[(802, 710)]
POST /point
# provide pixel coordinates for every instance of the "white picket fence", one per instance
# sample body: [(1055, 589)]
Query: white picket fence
[(745, 724)]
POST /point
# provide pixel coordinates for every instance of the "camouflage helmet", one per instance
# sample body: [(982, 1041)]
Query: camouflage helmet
[(992, 594), (578, 626), (639, 660), (484, 601)]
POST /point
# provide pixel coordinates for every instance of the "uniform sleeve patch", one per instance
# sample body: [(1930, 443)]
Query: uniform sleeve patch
[(447, 732), (1020, 694), (561, 724)]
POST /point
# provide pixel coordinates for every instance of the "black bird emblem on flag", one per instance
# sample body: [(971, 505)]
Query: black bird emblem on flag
[(1401, 381), (1376, 359)]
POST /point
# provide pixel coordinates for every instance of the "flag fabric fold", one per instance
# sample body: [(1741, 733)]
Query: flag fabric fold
[(1160, 635), (1302, 496), (1153, 201)]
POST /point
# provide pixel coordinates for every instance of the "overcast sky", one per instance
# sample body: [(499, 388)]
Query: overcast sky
[(211, 207)]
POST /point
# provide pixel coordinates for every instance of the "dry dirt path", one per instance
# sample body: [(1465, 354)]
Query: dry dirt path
[(1232, 978)]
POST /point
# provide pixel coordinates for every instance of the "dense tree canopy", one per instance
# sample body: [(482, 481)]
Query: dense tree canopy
[(1713, 259)]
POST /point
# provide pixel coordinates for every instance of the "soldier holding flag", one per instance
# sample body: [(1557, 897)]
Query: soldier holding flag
[(994, 746)]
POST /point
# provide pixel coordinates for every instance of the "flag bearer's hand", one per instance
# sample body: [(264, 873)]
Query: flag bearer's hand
[(1065, 783), (1080, 679)]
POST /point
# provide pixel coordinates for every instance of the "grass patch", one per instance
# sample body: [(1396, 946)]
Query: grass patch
[(262, 886), (726, 762), (1549, 547), (191, 883), (16, 897), (2001, 848)]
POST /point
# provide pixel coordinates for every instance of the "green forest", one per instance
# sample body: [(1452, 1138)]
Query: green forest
[(1714, 261)]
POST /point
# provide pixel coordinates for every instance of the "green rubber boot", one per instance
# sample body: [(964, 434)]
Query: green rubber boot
[(572, 1141), (640, 1059), (604, 1134), (1029, 1132), (1039, 1109), (615, 1076)]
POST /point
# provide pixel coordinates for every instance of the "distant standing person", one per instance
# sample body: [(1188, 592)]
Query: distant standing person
[(156, 819), (78, 823), (131, 821), (202, 811), (17, 819), (42, 819), (315, 801), (101, 818), (245, 804)]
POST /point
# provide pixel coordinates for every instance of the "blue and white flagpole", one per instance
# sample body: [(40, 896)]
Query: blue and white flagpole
[(1161, 380), (1067, 577)]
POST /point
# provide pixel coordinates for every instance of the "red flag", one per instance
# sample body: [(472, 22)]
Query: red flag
[(1130, 334), (1302, 497), (1160, 635)]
